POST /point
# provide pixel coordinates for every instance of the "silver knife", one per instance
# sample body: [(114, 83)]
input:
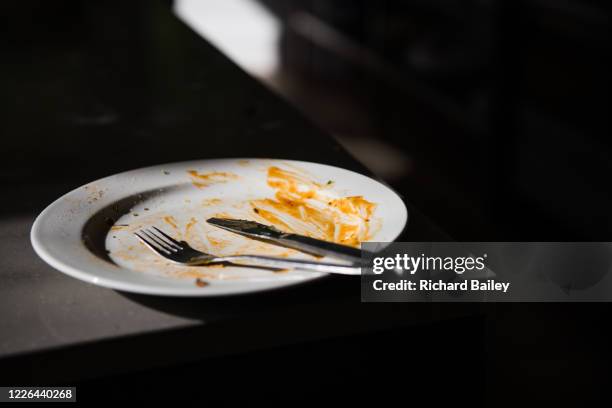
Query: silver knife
[(303, 243)]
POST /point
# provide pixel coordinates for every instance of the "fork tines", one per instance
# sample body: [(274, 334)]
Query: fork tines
[(159, 241)]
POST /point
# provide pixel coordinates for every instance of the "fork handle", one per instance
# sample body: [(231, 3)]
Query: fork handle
[(283, 263)]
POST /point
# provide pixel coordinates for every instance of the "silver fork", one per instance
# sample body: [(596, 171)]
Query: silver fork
[(180, 252)]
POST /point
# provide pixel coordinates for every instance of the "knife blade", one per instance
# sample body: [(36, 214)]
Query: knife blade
[(303, 243)]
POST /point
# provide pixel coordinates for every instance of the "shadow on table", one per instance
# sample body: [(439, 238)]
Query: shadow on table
[(327, 290)]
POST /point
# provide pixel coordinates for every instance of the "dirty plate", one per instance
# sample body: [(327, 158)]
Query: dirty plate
[(88, 233)]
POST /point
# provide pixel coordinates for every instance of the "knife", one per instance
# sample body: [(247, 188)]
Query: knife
[(303, 243)]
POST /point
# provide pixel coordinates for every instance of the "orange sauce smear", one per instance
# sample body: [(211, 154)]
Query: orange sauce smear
[(299, 206), (202, 180), (190, 225), (170, 220)]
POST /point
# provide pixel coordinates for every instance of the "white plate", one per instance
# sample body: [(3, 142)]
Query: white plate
[(82, 233)]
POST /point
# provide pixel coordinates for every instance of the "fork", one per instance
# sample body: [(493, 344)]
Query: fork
[(180, 252)]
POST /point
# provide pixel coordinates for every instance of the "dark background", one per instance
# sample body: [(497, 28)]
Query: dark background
[(501, 106), (500, 109)]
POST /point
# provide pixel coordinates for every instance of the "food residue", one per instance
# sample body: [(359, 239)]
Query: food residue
[(202, 180), (300, 205), (170, 220), (296, 203), (211, 201), (190, 225)]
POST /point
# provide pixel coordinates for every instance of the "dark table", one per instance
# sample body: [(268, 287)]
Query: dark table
[(94, 89)]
